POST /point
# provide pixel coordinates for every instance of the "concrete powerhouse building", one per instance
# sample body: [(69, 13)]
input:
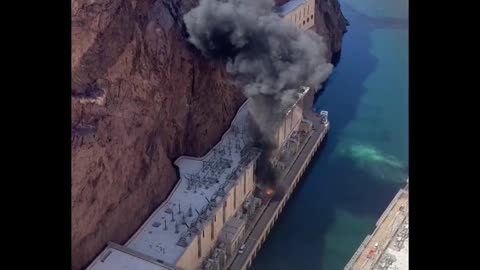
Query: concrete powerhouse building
[(299, 12), (201, 224)]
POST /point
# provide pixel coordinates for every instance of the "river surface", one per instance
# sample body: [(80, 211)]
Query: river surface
[(365, 159)]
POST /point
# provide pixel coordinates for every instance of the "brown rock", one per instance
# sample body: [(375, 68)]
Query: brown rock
[(140, 98), (330, 23)]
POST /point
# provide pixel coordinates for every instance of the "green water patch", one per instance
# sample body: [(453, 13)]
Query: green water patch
[(365, 160), (380, 120), (388, 89), (346, 234), (368, 158)]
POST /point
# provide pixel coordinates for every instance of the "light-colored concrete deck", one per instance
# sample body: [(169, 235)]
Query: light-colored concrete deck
[(391, 220)]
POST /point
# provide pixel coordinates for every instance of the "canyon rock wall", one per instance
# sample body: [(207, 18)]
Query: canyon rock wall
[(330, 23), (142, 96)]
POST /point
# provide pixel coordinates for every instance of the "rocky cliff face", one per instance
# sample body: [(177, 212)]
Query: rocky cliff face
[(141, 96), (330, 23)]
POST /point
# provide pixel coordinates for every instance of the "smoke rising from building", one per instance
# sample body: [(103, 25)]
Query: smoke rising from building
[(267, 56)]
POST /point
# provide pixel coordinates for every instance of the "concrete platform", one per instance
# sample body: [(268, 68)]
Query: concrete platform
[(377, 249)]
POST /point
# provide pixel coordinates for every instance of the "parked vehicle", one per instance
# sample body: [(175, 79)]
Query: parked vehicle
[(242, 249)]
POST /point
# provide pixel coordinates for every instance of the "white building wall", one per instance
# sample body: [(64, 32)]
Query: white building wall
[(250, 178), (289, 124), (239, 189), (230, 209), (190, 258), (303, 16), (281, 133), (218, 221), (297, 116)]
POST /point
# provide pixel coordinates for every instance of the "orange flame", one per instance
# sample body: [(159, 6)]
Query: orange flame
[(269, 192)]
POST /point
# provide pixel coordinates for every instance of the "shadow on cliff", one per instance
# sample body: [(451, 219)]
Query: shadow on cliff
[(104, 51), (299, 239)]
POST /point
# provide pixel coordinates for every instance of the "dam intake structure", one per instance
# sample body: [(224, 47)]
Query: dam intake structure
[(224, 205), (219, 214)]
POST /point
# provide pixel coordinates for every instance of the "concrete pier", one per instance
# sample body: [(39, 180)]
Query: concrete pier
[(389, 237), (290, 180)]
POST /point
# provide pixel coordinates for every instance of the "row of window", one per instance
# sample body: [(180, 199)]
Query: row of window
[(308, 19), (303, 14)]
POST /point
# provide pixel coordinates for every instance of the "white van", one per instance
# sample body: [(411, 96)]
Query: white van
[(242, 249)]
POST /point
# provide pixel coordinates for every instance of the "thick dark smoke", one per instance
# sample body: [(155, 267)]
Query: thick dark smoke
[(269, 57)]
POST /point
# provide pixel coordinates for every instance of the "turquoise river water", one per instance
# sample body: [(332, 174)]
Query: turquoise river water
[(365, 159)]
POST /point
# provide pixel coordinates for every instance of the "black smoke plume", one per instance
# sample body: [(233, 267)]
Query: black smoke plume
[(267, 56)]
